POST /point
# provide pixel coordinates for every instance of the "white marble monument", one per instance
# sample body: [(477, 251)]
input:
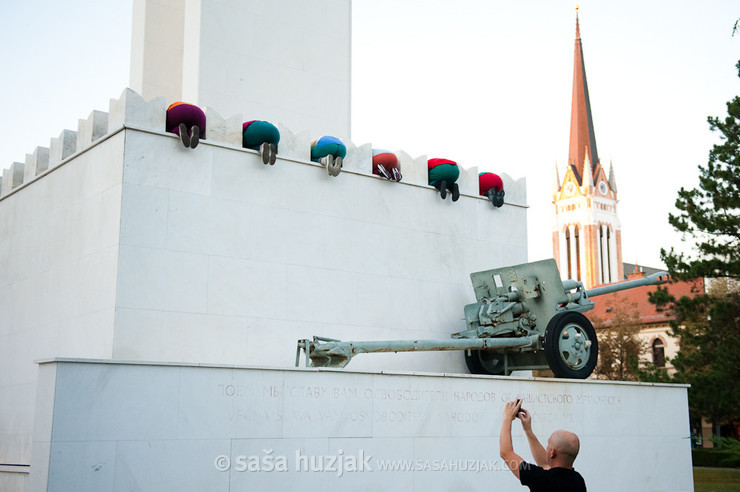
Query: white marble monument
[(183, 271), (135, 248)]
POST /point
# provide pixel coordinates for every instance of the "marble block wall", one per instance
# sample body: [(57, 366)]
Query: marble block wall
[(117, 242), (225, 260), (123, 426), (59, 239)]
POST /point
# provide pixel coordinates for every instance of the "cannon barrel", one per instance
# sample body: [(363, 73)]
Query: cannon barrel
[(654, 279), (327, 352)]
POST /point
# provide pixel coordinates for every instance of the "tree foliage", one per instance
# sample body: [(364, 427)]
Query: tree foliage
[(620, 347), (710, 214), (708, 331), (708, 326), (730, 450)]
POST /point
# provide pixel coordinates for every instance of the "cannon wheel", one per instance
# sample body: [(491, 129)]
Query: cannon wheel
[(485, 362), (571, 347)]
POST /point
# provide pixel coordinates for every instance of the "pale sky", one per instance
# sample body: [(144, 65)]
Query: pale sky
[(486, 83)]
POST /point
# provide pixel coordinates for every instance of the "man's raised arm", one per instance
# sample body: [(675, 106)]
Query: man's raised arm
[(538, 452), (506, 447)]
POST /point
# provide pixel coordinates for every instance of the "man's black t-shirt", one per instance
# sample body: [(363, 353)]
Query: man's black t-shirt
[(552, 480)]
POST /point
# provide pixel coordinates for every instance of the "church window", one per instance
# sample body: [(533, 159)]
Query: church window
[(578, 254), (609, 253), (601, 254), (567, 251), (658, 353)]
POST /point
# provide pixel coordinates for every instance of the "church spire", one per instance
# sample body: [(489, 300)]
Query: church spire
[(582, 138), (587, 234), (588, 178), (612, 179)]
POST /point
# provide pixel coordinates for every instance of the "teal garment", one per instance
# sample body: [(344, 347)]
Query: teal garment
[(444, 172), (259, 132), (321, 149)]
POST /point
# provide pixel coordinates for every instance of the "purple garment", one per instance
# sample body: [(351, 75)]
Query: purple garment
[(185, 113)]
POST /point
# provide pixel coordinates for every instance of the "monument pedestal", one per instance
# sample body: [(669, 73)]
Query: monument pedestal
[(112, 425), (133, 247)]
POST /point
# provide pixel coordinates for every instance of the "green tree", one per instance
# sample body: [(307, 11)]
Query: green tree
[(710, 214), (620, 347), (708, 326), (708, 331)]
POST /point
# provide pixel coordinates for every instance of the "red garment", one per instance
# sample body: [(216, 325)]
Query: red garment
[(386, 159), (486, 181), (432, 163)]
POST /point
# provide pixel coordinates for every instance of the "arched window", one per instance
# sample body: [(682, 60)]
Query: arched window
[(578, 253), (658, 353), (567, 251), (609, 253), (602, 251)]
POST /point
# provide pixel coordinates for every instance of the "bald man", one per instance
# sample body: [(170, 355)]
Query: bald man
[(554, 470)]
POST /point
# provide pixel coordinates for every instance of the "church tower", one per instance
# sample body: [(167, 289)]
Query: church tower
[(586, 238)]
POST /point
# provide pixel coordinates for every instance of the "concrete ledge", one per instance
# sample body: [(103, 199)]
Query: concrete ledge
[(91, 129), (224, 130), (204, 426), (36, 163), (12, 177), (63, 147), (290, 150), (73, 360), (131, 111)]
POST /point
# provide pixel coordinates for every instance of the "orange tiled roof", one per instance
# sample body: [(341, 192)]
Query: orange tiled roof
[(639, 296)]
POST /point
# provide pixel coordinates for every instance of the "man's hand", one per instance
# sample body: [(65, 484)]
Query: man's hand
[(511, 459), (511, 409), (538, 452), (526, 419)]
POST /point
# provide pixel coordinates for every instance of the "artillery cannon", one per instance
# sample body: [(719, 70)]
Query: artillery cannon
[(525, 317)]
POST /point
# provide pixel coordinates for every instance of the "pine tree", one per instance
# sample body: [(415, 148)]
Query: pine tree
[(708, 326), (710, 214), (708, 330)]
